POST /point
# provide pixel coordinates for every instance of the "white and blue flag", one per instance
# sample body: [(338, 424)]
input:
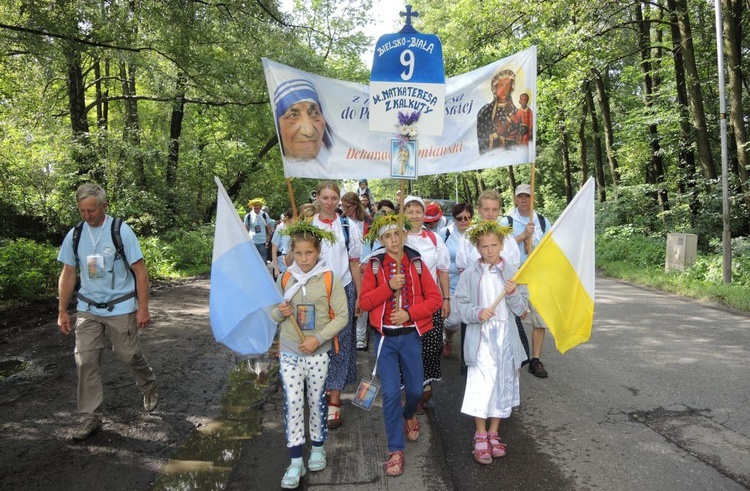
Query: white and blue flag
[(242, 289)]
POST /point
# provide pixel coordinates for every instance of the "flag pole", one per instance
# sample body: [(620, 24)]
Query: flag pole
[(291, 197), (402, 237), (297, 328), (294, 215)]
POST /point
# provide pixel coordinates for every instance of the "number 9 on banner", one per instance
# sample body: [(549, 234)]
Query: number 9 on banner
[(407, 61)]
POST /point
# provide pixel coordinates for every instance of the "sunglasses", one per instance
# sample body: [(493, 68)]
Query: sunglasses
[(462, 219)]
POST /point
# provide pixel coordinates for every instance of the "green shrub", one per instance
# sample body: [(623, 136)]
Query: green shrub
[(193, 250), (159, 263), (710, 267), (28, 270), (626, 244)]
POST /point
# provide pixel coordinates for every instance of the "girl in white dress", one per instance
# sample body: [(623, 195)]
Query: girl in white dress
[(492, 347)]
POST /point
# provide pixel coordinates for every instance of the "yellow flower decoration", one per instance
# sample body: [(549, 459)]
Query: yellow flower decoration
[(256, 202), (486, 227), (382, 221), (306, 229)]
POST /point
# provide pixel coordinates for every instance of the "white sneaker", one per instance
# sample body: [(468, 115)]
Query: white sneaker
[(150, 400), (86, 427)]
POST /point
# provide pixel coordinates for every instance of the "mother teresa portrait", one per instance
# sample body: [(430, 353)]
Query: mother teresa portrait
[(302, 128)]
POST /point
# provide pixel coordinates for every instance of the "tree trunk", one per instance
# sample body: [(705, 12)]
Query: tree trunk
[(686, 156), (609, 139), (105, 105), (695, 96), (175, 131), (582, 148), (132, 128), (733, 46), (512, 179), (82, 152), (566, 162), (598, 158), (468, 198), (100, 121), (656, 160)]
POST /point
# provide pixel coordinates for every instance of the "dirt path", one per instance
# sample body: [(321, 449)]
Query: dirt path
[(38, 404)]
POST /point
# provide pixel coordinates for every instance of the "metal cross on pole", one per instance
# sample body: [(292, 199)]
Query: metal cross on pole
[(409, 14)]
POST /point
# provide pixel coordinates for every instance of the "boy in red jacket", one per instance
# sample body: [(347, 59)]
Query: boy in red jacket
[(401, 301)]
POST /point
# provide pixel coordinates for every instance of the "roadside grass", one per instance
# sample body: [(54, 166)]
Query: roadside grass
[(733, 295), (624, 252)]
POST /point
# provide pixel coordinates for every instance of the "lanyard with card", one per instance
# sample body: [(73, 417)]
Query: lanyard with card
[(95, 262), (368, 388)]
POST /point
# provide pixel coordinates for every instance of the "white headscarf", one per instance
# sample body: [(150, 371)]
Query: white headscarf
[(302, 277)]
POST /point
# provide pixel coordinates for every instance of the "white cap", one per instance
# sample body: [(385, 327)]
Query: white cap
[(410, 199), (523, 189)]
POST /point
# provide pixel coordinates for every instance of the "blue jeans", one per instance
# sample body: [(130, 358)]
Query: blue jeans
[(262, 251), (399, 355)]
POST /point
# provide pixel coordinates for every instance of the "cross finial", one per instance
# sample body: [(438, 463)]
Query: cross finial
[(408, 14)]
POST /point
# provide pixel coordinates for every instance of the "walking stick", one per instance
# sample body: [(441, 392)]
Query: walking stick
[(397, 294), (529, 242)]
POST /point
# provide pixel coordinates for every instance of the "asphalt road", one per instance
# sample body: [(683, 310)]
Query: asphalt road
[(657, 399)]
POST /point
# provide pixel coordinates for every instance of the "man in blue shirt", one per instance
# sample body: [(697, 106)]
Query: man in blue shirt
[(258, 226), (112, 302), (528, 231)]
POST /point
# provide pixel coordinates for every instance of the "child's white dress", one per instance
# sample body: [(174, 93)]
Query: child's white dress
[(492, 385)]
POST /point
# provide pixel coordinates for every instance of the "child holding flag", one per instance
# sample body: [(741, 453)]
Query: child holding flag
[(400, 320), (492, 346), (309, 286)]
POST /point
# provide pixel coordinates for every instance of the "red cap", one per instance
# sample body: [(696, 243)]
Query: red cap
[(433, 213)]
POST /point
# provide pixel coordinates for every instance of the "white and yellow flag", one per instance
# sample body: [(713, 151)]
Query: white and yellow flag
[(560, 273)]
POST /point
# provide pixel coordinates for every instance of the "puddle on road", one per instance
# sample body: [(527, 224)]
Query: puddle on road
[(9, 368), (206, 459)]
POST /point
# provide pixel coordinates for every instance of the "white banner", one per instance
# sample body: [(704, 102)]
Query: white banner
[(323, 127)]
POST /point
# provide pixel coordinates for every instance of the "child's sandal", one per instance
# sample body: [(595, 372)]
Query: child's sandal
[(317, 460), (292, 476), (334, 416), (498, 447), (482, 452), (411, 429), (395, 467)]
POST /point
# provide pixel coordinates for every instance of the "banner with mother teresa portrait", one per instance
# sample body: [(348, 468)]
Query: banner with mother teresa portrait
[(323, 123)]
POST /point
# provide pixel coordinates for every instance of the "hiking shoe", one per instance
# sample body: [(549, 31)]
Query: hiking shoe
[(86, 427), (536, 368), (150, 400)]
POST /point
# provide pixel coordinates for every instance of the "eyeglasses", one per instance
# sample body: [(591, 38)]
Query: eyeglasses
[(462, 219)]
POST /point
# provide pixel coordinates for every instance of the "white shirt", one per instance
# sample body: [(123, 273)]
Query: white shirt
[(435, 256), (468, 254), (336, 255)]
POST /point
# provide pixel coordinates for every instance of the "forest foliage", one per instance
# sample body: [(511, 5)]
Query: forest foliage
[(153, 98)]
